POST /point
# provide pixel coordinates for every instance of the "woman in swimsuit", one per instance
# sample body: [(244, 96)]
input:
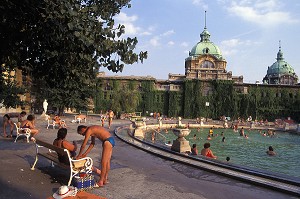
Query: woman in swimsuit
[(207, 152), (30, 124), (61, 142)]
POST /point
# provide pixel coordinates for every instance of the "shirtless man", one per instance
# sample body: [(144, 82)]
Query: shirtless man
[(110, 118), (108, 143), (7, 121)]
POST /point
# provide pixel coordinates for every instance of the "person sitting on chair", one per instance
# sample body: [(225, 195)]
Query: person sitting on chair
[(22, 117), (61, 123), (61, 142), (30, 124)]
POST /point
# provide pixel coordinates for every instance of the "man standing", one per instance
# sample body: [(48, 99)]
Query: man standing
[(110, 118), (108, 143)]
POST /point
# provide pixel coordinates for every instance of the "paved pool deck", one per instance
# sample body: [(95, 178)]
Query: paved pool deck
[(134, 174)]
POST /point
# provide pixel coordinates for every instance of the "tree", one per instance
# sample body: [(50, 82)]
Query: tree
[(10, 91), (63, 43)]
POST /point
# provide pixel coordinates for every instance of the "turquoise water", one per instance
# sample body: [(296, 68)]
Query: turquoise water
[(249, 151)]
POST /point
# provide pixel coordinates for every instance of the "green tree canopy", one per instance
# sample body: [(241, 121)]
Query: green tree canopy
[(63, 43)]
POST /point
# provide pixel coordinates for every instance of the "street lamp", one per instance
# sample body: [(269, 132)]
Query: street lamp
[(206, 105), (257, 82)]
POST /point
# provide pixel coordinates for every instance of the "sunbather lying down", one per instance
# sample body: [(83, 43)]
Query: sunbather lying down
[(79, 118)]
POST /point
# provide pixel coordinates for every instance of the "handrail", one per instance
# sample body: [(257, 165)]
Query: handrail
[(157, 132)]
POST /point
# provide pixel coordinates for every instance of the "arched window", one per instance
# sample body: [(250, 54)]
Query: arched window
[(207, 64), (206, 50)]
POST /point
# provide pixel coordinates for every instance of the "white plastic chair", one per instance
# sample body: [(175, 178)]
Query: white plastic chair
[(25, 132), (50, 123)]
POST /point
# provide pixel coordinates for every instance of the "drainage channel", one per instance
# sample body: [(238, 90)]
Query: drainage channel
[(291, 187)]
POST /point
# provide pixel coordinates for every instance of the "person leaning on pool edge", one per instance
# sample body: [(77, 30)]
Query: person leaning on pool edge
[(207, 152)]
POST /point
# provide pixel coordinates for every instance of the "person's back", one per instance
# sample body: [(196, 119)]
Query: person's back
[(99, 132), (271, 151), (56, 119), (207, 152), (194, 150), (64, 144)]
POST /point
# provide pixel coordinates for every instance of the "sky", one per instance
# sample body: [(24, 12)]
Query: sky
[(246, 31)]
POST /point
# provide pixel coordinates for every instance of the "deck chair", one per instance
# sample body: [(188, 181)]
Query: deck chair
[(22, 132)]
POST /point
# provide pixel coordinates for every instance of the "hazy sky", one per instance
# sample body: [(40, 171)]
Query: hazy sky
[(246, 31)]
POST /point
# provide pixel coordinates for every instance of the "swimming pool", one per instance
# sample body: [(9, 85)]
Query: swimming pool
[(249, 151)]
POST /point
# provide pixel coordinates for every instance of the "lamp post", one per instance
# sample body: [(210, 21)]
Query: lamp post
[(206, 105), (257, 82)]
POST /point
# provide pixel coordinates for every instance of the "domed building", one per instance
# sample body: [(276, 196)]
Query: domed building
[(280, 72), (205, 60)]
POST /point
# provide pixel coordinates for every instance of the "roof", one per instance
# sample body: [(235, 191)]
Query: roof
[(280, 67), (205, 46)]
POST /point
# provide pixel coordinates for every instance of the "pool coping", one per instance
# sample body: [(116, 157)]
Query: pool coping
[(262, 178)]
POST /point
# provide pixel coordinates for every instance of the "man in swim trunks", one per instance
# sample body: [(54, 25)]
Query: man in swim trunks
[(110, 118), (108, 143)]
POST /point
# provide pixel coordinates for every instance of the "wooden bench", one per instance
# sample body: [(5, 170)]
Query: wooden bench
[(49, 151)]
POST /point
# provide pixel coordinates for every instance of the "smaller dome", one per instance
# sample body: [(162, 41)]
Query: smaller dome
[(280, 67), (280, 72)]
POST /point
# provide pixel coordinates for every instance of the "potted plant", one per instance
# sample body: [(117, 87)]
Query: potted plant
[(181, 131), (139, 122)]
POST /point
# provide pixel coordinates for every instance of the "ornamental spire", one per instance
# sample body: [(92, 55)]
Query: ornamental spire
[(205, 20), (280, 53), (205, 34)]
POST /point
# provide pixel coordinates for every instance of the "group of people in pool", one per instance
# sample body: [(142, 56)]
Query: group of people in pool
[(207, 152)]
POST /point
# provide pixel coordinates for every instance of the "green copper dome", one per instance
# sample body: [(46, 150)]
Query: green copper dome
[(205, 46), (280, 67)]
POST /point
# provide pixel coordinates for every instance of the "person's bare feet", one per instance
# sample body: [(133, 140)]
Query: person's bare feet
[(99, 184), (106, 181)]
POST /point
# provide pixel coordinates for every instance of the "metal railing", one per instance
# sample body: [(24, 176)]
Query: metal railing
[(158, 133)]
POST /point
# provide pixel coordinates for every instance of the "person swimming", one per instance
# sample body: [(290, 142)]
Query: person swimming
[(223, 139), (271, 151)]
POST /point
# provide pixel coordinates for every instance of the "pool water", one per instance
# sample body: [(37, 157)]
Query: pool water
[(251, 151)]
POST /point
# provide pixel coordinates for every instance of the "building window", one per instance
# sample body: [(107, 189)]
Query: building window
[(207, 64), (206, 50)]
